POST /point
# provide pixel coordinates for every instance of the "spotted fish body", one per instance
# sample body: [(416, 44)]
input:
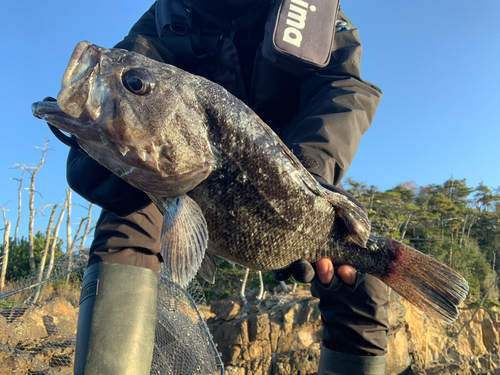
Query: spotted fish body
[(224, 180)]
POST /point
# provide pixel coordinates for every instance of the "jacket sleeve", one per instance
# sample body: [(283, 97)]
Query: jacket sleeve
[(337, 108), (87, 177)]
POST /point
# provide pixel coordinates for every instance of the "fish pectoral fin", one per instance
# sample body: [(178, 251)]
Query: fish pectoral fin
[(352, 215), (184, 238), (208, 267)]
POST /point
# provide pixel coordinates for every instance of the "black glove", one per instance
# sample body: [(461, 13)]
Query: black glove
[(98, 185), (302, 271)]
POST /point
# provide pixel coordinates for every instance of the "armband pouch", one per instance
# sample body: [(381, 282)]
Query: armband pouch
[(299, 35)]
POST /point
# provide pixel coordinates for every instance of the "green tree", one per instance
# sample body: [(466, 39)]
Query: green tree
[(19, 263)]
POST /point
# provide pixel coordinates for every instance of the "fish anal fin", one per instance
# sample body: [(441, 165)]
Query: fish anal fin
[(208, 268), (184, 238)]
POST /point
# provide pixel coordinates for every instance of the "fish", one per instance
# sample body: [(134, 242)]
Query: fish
[(224, 181)]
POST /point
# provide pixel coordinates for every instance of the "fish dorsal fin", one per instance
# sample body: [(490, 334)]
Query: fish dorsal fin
[(184, 238)]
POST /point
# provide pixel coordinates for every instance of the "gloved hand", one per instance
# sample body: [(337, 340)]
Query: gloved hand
[(322, 271)]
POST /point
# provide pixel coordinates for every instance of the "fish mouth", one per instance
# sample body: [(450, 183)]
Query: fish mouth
[(79, 78), (50, 111), (72, 111), (45, 107)]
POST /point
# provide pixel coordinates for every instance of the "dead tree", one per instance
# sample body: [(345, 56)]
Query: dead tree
[(48, 237), (260, 296), (54, 242), (241, 294), (19, 201), (5, 252), (69, 244), (33, 171), (88, 228), (262, 291), (71, 241), (53, 246)]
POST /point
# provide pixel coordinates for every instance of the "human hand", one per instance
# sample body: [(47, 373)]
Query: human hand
[(304, 272), (325, 272)]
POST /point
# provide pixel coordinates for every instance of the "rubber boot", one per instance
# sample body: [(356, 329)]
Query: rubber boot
[(335, 363), (116, 322)]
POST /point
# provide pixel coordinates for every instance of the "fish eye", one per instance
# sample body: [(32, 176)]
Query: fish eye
[(138, 81)]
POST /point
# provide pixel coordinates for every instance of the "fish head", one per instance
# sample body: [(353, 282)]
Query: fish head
[(136, 116)]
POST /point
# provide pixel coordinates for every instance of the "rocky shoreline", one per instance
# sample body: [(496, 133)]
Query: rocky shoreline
[(285, 339), (281, 336)]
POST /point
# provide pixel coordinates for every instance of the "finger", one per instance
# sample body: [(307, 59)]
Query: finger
[(347, 274), (324, 270), (303, 271)]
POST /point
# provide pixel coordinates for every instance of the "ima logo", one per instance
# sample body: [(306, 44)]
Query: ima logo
[(296, 21)]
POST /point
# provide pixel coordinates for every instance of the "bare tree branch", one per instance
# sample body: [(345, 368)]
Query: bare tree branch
[(69, 241), (54, 242), (19, 200), (33, 171), (88, 229), (44, 253), (5, 252)]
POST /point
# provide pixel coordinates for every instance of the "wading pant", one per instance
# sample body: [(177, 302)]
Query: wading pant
[(132, 240)]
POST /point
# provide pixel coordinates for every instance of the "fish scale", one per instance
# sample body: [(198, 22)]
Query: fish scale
[(224, 181)]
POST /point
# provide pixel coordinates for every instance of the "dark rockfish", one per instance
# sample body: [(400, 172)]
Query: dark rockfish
[(224, 180)]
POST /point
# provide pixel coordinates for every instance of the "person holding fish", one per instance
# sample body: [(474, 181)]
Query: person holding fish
[(311, 94)]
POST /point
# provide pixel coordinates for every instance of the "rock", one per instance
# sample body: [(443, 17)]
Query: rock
[(15, 361), (304, 361), (398, 359), (490, 334), (285, 338), (8, 335), (227, 309), (30, 326), (234, 370), (38, 339)]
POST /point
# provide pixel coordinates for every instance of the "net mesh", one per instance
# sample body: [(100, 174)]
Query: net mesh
[(38, 334)]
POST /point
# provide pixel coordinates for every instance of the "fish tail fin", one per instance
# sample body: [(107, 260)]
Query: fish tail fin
[(434, 288)]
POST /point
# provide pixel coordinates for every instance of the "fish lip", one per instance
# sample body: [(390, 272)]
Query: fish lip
[(78, 78), (50, 110), (42, 108)]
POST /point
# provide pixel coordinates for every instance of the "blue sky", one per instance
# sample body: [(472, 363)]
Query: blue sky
[(437, 63)]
